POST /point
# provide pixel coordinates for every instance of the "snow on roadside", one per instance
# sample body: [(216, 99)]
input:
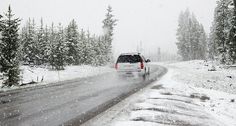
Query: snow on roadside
[(222, 105), (174, 101), (196, 73), (45, 76)]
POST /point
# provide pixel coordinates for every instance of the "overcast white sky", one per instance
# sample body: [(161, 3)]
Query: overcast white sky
[(154, 22)]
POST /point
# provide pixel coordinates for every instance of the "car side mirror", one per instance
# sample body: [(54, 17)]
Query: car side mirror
[(148, 60)]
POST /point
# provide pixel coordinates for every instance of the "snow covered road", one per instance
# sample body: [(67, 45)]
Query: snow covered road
[(68, 102)]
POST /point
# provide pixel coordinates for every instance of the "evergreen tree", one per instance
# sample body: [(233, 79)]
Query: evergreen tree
[(1, 23), (234, 4), (99, 51), (232, 36), (108, 26), (30, 47), (82, 47), (59, 50), (222, 32), (202, 43), (192, 39), (183, 35), (43, 44), (221, 28), (87, 49), (212, 45), (72, 36), (52, 45), (1, 26), (9, 49), (93, 49), (47, 45), (21, 39)]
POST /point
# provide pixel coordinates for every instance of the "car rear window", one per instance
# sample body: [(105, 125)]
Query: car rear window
[(129, 59)]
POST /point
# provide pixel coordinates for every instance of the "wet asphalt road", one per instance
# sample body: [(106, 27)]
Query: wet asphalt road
[(70, 102)]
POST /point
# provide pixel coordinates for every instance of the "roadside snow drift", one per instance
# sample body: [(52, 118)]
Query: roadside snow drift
[(40, 75), (200, 74)]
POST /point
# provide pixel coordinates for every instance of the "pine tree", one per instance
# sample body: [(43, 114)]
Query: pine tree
[(21, 41), (93, 50), (192, 39), (52, 46), (212, 45), (1, 27), (82, 47), (1, 23), (222, 36), (43, 44), (99, 51), (72, 36), (221, 28), (30, 47), (202, 51), (59, 50), (108, 26), (232, 36), (183, 35), (87, 49), (9, 49), (47, 46)]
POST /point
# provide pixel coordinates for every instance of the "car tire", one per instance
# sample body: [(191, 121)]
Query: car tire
[(148, 71), (145, 74)]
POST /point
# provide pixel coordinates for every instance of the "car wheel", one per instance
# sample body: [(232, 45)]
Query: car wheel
[(145, 74), (148, 71)]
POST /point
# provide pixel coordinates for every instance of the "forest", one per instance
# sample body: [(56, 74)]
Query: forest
[(55, 45)]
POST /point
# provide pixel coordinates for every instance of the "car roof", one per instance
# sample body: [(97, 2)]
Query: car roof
[(133, 53)]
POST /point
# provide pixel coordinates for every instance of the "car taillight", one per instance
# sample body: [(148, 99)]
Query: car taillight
[(142, 65), (116, 65)]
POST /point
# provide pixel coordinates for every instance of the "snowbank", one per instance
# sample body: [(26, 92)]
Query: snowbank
[(198, 73), (44, 76)]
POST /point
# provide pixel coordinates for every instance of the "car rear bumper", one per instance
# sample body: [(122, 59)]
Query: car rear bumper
[(131, 72)]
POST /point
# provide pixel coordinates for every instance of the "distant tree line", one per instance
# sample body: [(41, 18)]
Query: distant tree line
[(221, 44), (191, 37), (58, 46), (222, 39), (52, 45)]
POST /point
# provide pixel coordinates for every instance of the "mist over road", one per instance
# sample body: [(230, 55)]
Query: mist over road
[(70, 102)]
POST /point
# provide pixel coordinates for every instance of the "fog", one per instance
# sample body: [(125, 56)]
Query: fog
[(150, 22)]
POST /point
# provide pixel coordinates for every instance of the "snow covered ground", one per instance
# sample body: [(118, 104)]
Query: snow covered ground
[(187, 95), (45, 76), (197, 73)]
